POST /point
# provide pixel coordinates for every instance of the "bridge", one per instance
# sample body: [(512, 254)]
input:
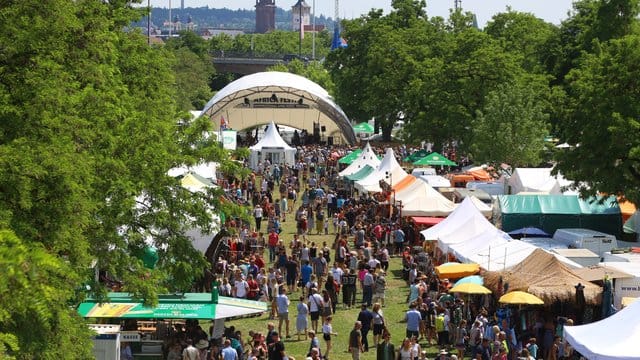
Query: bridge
[(243, 65)]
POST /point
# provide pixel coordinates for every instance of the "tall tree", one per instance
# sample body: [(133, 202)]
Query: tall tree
[(512, 125), (603, 123)]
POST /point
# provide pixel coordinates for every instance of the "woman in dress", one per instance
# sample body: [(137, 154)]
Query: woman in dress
[(302, 321)]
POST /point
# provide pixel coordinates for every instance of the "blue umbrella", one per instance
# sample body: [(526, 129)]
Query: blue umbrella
[(528, 232), (473, 279)]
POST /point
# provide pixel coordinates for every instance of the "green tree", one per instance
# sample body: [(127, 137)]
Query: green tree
[(512, 125), (603, 122)]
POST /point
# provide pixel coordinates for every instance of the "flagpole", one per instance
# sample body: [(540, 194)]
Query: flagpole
[(301, 28), (313, 34)]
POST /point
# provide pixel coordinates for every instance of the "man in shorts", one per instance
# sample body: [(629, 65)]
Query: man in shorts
[(282, 303), (316, 303)]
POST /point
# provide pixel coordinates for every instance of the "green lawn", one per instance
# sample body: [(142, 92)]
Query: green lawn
[(343, 319)]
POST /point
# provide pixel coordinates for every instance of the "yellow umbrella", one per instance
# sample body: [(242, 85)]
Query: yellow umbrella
[(520, 297), (470, 288)]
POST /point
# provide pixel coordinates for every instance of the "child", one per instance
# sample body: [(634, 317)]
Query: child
[(326, 226), (327, 331), (533, 348)]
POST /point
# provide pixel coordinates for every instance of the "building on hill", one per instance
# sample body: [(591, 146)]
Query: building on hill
[(301, 11), (265, 16)]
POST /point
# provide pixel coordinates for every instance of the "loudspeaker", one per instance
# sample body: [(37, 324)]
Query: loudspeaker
[(329, 140), (323, 128)]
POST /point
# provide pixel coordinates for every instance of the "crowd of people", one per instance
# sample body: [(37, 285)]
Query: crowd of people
[(295, 273)]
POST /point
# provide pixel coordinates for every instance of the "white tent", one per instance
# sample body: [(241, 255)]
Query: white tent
[(389, 171), (273, 148), (420, 199), (435, 180), (615, 337), (485, 209), (206, 170), (537, 180), (366, 157)]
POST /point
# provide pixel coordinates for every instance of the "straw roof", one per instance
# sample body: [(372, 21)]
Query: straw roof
[(544, 276)]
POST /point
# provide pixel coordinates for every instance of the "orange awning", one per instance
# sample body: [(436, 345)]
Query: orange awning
[(627, 209), (404, 183), (480, 174)]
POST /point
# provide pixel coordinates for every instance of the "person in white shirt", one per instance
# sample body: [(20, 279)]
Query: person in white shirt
[(316, 304), (190, 352), (240, 288)]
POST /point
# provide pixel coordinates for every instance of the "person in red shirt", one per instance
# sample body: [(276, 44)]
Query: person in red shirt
[(254, 288), (274, 238)]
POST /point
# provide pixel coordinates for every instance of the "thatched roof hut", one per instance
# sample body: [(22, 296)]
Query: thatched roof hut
[(544, 276)]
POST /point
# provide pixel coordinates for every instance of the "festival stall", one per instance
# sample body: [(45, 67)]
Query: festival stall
[(420, 199), (537, 180), (615, 337), (389, 172), (366, 158), (273, 148)]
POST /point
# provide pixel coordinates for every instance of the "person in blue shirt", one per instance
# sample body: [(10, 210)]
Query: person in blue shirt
[(228, 353), (305, 273), (413, 317)]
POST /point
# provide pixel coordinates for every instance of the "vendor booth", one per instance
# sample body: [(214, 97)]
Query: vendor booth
[(365, 158), (389, 171), (273, 148)]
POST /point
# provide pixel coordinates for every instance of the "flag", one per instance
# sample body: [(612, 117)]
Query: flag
[(223, 123)]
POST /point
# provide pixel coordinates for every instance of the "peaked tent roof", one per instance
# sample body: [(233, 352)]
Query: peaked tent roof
[(388, 166), (537, 180), (545, 276), (615, 337), (420, 199), (350, 157), (416, 156), (271, 139), (434, 159), (366, 157)]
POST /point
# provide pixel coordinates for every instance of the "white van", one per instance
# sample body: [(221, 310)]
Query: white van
[(493, 188), (595, 241)]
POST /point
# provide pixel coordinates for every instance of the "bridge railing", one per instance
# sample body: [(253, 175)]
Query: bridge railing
[(245, 55)]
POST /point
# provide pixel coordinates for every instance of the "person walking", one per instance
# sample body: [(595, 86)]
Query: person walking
[(412, 318), (282, 302), (355, 341), (302, 323), (257, 215), (367, 287), (378, 324), (327, 332), (385, 350), (365, 317), (228, 353), (315, 307)]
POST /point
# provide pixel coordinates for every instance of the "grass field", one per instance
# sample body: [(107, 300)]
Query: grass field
[(343, 319)]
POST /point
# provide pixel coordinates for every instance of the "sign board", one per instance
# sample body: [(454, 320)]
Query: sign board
[(229, 139)]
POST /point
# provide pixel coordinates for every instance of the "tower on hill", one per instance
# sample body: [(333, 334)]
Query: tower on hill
[(265, 16)]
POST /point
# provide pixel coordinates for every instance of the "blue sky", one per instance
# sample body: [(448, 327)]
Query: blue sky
[(553, 11)]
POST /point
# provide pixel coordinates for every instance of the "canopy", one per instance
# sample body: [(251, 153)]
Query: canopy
[(350, 157), (185, 306), (403, 184), (552, 212), (196, 183), (469, 288), (364, 128), (360, 174), (435, 181), (520, 298), (615, 337), (389, 171), (528, 232), (273, 148), (416, 156), (537, 180), (434, 159), (366, 157), (544, 275), (289, 99), (456, 271), (426, 220), (420, 199)]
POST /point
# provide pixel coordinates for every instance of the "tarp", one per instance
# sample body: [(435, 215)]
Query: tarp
[(552, 212), (615, 337), (366, 157), (426, 220), (185, 306), (420, 199), (404, 183), (360, 174), (389, 171), (536, 180), (350, 157)]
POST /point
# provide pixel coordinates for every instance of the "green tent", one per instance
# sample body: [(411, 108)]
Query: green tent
[(350, 157), (434, 159), (552, 212), (416, 156), (360, 174), (183, 306), (363, 127)]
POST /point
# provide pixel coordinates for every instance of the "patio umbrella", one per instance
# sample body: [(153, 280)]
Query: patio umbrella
[(520, 298), (473, 279), (434, 159), (363, 127), (528, 231), (470, 288)]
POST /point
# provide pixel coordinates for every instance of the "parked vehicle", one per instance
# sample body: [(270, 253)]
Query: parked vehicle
[(579, 238)]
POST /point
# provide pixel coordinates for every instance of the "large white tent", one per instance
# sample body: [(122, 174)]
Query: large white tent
[(435, 181), (366, 157), (272, 147), (615, 337), (420, 199), (389, 171), (468, 235), (537, 180)]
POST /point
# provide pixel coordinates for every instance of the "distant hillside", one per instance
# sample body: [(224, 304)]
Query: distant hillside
[(205, 17)]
